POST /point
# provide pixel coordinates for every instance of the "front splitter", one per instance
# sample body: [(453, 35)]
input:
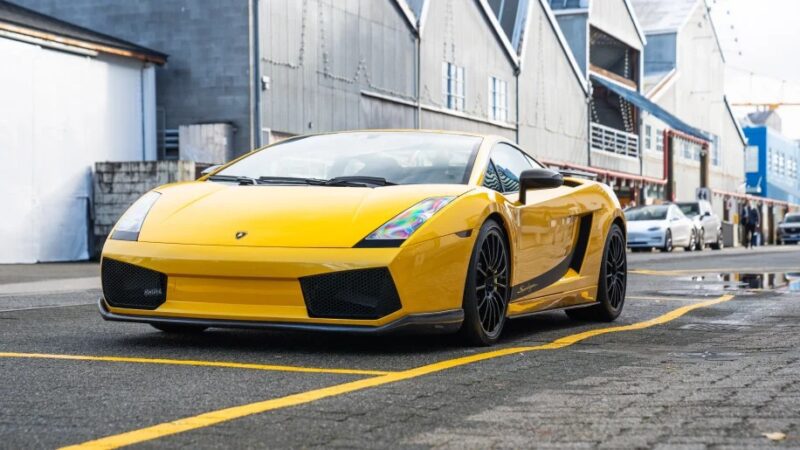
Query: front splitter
[(427, 323)]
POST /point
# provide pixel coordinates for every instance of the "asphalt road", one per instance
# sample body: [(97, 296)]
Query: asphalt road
[(699, 358)]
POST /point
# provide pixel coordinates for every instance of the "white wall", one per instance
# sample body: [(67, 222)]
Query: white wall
[(60, 113)]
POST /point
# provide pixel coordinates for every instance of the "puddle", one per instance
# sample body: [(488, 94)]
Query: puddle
[(735, 280)]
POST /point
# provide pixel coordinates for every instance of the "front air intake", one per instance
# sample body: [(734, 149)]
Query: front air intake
[(129, 286), (351, 294)]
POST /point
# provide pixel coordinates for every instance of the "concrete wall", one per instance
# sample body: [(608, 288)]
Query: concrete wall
[(118, 184), (553, 108), (457, 31), (207, 76), (321, 55), (210, 143)]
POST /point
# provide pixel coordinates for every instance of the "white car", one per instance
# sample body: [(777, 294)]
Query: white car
[(659, 226), (706, 223)]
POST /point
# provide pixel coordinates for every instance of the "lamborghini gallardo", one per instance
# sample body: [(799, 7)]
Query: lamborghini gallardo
[(369, 232)]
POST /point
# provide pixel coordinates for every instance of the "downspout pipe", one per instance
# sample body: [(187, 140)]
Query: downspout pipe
[(259, 138), (418, 75)]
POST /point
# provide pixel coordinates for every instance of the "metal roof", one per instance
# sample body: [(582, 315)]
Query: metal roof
[(23, 21), (663, 15)]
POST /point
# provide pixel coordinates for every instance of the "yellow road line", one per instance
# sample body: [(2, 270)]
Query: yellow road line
[(236, 412), (187, 362)]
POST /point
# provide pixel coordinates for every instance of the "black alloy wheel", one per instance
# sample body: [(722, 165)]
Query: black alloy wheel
[(612, 283), (488, 286)]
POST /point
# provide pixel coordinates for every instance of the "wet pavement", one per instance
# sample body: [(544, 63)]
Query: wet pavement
[(706, 354)]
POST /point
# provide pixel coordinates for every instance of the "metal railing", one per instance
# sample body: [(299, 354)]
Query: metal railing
[(611, 140)]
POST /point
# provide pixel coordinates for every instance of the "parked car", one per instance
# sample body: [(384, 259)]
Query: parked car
[(789, 229), (659, 226), (707, 225)]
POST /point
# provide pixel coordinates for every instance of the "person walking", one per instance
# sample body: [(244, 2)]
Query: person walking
[(751, 220)]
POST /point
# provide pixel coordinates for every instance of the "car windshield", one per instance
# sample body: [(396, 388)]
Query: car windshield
[(794, 218), (658, 212), (689, 209), (396, 157)]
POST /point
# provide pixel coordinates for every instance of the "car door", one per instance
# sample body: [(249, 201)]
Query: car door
[(711, 222), (546, 224), (680, 225)]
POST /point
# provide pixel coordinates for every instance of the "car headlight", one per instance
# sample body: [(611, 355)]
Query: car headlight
[(654, 229), (129, 225), (403, 225)]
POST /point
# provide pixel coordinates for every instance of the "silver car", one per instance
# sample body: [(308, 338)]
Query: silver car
[(789, 229), (707, 225), (659, 226)]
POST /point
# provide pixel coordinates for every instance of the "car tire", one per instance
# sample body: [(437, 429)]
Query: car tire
[(173, 328), (720, 244), (667, 242), (612, 282), (488, 287), (700, 241), (692, 240)]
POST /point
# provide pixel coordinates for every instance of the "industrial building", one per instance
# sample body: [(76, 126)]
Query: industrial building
[(71, 97), (684, 75), (771, 159), (630, 90)]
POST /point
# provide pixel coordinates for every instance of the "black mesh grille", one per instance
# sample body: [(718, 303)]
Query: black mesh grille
[(129, 286), (351, 294)]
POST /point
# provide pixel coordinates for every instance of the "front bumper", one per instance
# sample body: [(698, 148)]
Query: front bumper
[(429, 323), (645, 239), (259, 287)]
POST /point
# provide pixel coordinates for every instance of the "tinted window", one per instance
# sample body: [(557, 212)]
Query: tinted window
[(792, 218), (509, 163), (399, 157), (490, 180)]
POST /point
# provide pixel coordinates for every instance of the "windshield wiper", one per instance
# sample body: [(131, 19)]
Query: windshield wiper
[(358, 180), (242, 180), (292, 180)]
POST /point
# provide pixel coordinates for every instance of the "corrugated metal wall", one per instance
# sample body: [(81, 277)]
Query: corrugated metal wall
[(321, 54)]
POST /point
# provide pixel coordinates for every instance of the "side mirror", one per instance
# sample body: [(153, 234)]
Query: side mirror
[(675, 218), (706, 214), (210, 169), (538, 179)]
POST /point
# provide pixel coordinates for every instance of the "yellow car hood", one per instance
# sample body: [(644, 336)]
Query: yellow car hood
[(210, 213)]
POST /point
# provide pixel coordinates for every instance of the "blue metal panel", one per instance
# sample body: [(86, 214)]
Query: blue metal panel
[(660, 53), (776, 183)]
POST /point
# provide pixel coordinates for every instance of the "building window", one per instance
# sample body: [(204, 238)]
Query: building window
[(648, 131), (686, 150), (498, 99), (659, 140), (452, 86)]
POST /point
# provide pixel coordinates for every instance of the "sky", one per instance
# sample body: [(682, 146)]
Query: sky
[(761, 43)]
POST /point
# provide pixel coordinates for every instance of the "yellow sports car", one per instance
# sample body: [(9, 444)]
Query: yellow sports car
[(369, 232)]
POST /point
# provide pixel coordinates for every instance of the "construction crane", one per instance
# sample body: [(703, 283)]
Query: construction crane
[(769, 106)]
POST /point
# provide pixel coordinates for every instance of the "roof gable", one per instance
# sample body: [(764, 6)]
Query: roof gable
[(562, 42), (16, 19)]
